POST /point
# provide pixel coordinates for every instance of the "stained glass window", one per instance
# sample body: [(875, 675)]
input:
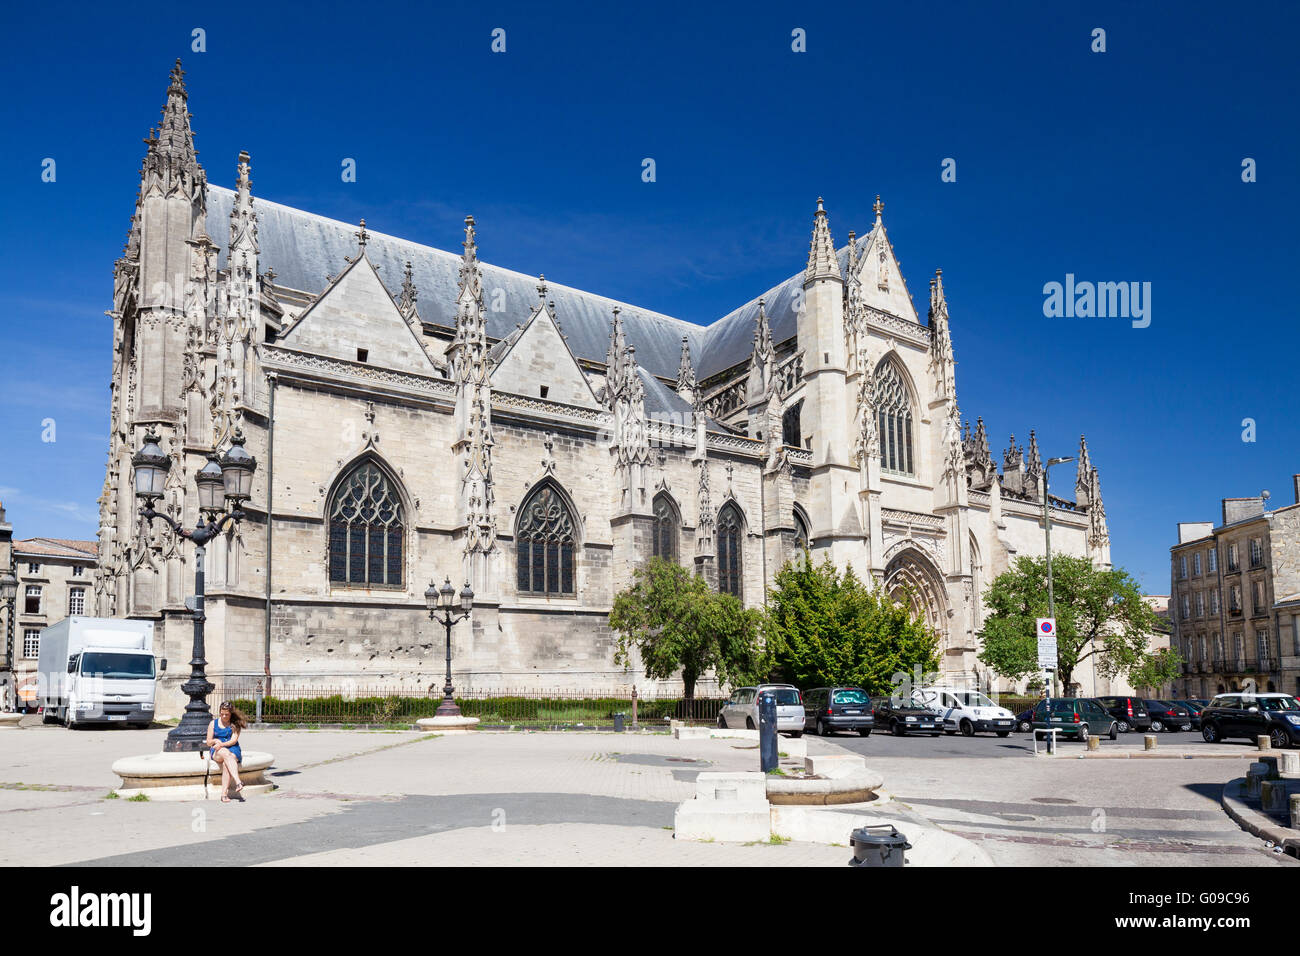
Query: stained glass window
[(544, 544), (665, 528), (894, 420), (730, 563), (366, 531)]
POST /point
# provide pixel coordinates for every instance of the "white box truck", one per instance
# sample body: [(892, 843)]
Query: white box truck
[(97, 670)]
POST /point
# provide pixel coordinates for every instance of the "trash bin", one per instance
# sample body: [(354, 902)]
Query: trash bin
[(878, 846), (618, 722)]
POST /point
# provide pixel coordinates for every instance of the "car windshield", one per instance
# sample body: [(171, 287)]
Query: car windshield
[(1275, 703), (850, 697), (117, 666), (975, 699)]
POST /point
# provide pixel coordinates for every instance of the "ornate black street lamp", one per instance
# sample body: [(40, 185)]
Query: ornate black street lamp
[(228, 477), (444, 599)]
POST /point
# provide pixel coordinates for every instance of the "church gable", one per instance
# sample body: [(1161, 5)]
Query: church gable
[(356, 319), (537, 358), (882, 281)]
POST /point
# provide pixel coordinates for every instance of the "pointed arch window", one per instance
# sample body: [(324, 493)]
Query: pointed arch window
[(791, 426), (367, 531), (894, 420), (666, 523), (730, 558), (800, 533), (544, 544)]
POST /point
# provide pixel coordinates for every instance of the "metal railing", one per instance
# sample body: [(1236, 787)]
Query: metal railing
[(531, 707)]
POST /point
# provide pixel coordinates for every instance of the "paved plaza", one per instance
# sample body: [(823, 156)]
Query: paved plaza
[(401, 798)]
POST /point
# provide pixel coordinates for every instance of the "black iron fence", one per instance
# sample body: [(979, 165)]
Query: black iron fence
[(317, 704)]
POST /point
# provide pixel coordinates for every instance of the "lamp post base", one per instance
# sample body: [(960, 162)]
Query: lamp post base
[(447, 725), (447, 708)]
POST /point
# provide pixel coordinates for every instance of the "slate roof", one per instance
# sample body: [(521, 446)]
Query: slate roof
[(303, 248)]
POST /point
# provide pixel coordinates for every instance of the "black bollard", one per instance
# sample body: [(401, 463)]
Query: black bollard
[(767, 733)]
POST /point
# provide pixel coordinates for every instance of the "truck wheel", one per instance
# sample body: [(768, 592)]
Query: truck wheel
[(1114, 732), (864, 731), (967, 729), (1003, 733), (896, 728), (70, 715), (1156, 726), (49, 717), (1124, 727)]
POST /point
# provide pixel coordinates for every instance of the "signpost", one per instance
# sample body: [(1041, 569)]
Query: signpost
[(1045, 627)]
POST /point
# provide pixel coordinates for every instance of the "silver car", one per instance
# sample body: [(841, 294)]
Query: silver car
[(741, 709)]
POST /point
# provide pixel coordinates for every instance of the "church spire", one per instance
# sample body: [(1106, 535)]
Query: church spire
[(171, 162), (1033, 467), (406, 304), (474, 441), (941, 353), (822, 261), (1083, 474), (685, 370)]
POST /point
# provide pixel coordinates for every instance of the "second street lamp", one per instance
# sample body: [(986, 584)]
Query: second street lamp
[(223, 484), (441, 602), (1047, 530)]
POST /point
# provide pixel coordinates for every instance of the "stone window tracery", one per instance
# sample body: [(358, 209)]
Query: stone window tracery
[(730, 558), (366, 530), (666, 522), (894, 420), (544, 544)]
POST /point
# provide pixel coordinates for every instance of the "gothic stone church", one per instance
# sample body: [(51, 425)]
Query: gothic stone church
[(418, 414)]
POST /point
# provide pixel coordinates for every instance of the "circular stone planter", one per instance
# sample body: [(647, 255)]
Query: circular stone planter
[(10, 721), (447, 725), (862, 787), (179, 776)]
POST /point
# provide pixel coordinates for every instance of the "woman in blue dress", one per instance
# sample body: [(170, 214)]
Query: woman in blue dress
[(223, 746)]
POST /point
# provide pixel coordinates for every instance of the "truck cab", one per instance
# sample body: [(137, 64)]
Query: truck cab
[(97, 671)]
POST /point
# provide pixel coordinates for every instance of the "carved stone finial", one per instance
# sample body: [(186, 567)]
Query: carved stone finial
[(362, 236), (878, 207)]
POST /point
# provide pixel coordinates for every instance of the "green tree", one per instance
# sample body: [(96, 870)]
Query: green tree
[(1099, 613), (1154, 671), (678, 623), (824, 627)]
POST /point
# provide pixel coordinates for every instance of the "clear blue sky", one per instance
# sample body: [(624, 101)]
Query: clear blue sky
[(1122, 166)]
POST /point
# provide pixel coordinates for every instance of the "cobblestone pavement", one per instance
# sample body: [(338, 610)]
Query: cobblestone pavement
[(405, 799)]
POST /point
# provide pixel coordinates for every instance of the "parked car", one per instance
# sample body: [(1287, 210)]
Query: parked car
[(741, 709), (967, 710), (1080, 717), (1194, 709), (904, 715), (1130, 712), (828, 710), (1166, 715), (1025, 720), (1276, 716)]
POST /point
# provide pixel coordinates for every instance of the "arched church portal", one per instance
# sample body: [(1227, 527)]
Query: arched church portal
[(911, 579)]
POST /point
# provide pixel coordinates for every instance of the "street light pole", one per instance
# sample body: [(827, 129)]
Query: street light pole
[(229, 476), (1047, 531), (444, 599)]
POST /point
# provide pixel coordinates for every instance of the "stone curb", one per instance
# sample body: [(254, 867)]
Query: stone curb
[(1158, 755), (1255, 822)]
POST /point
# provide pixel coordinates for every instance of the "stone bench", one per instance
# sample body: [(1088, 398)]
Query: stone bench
[(179, 776)]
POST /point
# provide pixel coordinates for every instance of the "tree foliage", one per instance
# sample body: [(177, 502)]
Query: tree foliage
[(1154, 671), (1098, 612), (825, 628), (678, 623)]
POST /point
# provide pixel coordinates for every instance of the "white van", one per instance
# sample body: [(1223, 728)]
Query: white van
[(968, 711)]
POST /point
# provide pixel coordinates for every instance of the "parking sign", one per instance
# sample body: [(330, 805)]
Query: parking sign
[(1046, 628)]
